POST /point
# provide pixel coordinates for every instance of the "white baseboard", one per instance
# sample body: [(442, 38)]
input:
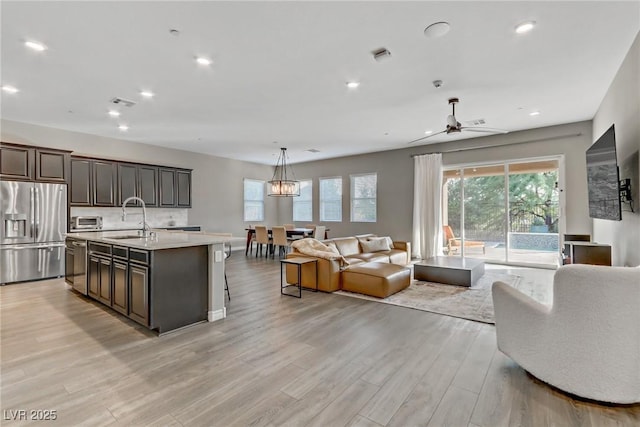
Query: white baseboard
[(212, 316)]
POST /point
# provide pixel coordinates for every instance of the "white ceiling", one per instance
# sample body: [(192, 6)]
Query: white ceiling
[(279, 70)]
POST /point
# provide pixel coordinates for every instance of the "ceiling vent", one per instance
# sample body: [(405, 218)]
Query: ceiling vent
[(475, 122), (122, 101), (381, 54), (313, 150)]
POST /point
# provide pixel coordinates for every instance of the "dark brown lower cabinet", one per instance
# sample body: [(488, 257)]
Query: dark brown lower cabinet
[(120, 300), (104, 295), (93, 287), (68, 264), (100, 279), (139, 293)]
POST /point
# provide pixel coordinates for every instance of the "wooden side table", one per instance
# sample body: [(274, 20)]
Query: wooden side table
[(298, 262)]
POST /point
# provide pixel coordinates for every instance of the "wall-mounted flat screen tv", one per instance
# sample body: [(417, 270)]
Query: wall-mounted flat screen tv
[(603, 178)]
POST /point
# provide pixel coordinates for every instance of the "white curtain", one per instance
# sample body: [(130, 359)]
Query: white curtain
[(427, 209)]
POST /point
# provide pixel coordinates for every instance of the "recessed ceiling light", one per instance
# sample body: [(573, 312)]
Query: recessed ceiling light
[(35, 46), (147, 94), (534, 113), (114, 113), (437, 29), (203, 61), (353, 85), (9, 89), (123, 128), (525, 27), (428, 132)]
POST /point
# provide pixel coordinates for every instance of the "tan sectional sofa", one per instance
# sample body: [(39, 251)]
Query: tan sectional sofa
[(355, 250)]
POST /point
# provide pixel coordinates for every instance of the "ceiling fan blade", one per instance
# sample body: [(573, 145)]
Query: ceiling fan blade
[(483, 130), (425, 137)]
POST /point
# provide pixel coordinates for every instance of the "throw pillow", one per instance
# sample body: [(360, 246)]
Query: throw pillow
[(375, 244)]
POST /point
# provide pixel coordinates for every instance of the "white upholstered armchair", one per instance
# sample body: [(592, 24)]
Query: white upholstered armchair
[(588, 342)]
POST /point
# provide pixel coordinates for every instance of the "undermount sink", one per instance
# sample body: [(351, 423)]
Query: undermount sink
[(132, 236)]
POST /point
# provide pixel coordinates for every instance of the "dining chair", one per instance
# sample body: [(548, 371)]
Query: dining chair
[(253, 237), (262, 238), (310, 226), (289, 226), (319, 232), (227, 255), (279, 237)]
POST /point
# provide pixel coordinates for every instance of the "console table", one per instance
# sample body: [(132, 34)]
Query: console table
[(586, 253)]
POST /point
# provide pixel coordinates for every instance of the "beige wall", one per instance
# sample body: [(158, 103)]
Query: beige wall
[(621, 106), (217, 186), (395, 175)]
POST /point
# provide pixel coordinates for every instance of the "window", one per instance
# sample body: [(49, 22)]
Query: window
[(331, 199), (363, 197), (253, 200), (303, 204)]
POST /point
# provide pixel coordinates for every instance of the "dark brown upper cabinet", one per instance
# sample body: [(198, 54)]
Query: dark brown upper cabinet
[(104, 183), (81, 191), (98, 182), (51, 165), (183, 178), (127, 182), (27, 163), (16, 162), (167, 187), (148, 184)]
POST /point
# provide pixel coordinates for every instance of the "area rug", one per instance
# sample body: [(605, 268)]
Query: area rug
[(473, 303)]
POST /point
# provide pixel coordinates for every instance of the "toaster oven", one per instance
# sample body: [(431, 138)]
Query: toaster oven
[(86, 223)]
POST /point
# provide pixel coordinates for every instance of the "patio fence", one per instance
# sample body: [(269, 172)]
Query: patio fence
[(485, 221)]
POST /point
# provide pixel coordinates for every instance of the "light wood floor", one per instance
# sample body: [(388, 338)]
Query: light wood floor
[(324, 360)]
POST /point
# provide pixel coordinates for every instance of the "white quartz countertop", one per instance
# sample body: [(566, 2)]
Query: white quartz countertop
[(161, 240)]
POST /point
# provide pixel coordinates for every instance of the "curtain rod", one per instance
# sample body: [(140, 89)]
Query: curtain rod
[(570, 135)]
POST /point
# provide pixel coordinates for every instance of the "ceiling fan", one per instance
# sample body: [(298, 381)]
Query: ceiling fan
[(454, 126)]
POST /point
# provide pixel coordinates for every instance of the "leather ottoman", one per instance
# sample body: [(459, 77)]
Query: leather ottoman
[(376, 279)]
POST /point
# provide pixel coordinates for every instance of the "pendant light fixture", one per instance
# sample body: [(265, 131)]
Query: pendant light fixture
[(280, 184)]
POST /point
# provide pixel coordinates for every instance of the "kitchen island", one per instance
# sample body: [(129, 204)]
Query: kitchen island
[(166, 281)]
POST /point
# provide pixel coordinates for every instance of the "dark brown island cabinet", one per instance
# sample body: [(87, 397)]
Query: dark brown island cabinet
[(97, 182), (163, 289), (27, 163)]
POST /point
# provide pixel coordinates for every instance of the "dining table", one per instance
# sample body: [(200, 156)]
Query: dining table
[(299, 231)]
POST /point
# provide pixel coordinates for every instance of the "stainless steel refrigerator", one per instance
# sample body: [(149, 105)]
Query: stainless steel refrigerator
[(33, 221)]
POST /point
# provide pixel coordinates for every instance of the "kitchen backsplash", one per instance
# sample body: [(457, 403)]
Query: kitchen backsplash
[(156, 217)]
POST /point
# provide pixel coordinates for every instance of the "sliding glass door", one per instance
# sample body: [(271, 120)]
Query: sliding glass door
[(506, 212), (534, 213)]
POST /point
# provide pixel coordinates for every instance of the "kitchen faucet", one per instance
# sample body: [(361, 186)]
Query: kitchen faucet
[(145, 226)]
